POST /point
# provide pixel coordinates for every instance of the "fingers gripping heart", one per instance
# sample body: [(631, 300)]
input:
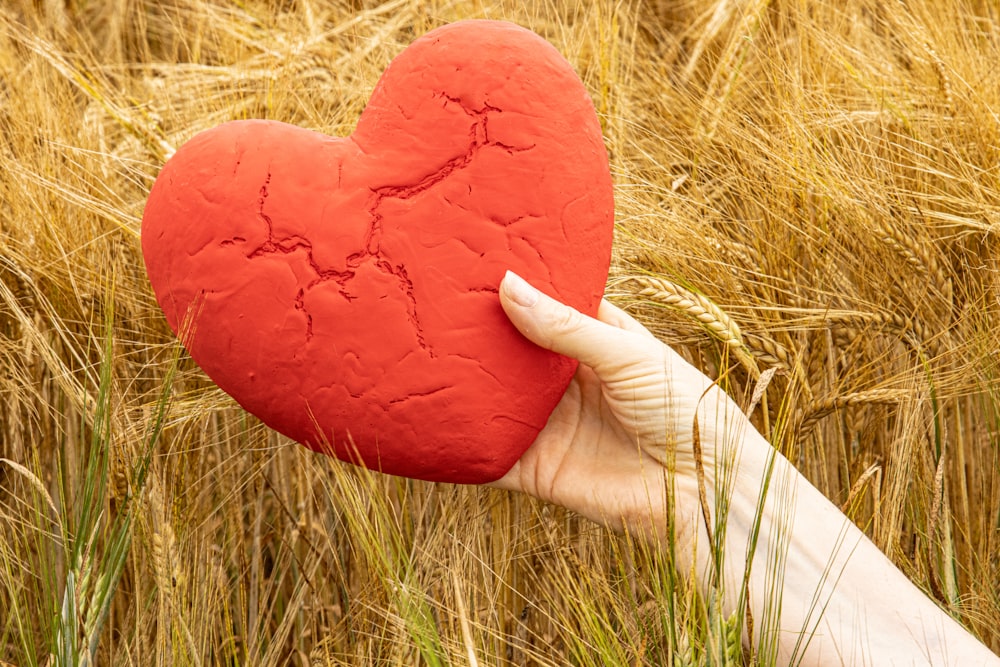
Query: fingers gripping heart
[(344, 290)]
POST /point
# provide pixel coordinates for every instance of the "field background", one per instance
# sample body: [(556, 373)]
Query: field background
[(809, 186)]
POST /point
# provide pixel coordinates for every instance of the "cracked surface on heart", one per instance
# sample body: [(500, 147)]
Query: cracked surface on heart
[(368, 247), (346, 288)]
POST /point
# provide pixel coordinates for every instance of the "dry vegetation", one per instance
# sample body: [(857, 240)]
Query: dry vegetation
[(806, 186)]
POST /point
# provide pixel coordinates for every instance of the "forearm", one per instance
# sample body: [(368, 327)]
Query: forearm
[(842, 602)]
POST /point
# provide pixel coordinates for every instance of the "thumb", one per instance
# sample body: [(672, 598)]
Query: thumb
[(560, 328)]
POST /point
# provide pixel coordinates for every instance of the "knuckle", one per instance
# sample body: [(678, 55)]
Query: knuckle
[(568, 320)]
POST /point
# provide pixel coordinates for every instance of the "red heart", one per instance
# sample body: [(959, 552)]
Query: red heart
[(344, 290)]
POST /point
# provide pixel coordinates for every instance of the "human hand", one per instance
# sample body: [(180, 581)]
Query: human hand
[(625, 422)]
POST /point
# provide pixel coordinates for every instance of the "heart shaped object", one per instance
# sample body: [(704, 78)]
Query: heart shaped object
[(344, 290)]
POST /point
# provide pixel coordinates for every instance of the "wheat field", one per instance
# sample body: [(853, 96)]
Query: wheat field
[(808, 186)]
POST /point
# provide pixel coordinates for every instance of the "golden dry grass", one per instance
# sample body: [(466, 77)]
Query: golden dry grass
[(807, 186)]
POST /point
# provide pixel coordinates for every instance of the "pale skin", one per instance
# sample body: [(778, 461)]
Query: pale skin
[(628, 416)]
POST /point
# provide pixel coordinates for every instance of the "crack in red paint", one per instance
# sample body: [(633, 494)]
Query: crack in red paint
[(419, 394)]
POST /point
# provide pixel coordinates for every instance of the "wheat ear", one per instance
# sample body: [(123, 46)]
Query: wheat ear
[(777, 355), (712, 318), (911, 331), (918, 255), (820, 408)]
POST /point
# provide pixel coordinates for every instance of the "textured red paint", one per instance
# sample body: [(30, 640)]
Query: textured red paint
[(345, 289)]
